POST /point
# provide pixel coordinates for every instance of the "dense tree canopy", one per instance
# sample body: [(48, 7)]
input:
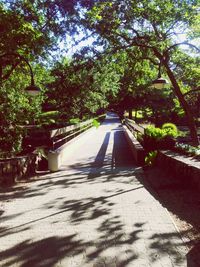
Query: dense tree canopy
[(151, 26), (85, 87), (131, 39)]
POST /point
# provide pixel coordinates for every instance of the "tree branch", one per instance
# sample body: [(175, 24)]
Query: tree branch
[(81, 40), (9, 72), (191, 91), (183, 43), (156, 30), (135, 41), (22, 58)]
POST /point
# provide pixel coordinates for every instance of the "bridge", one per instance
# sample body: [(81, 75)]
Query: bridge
[(98, 210)]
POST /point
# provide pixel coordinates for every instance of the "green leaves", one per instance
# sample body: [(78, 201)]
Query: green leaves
[(170, 129), (188, 150), (96, 123), (150, 158)]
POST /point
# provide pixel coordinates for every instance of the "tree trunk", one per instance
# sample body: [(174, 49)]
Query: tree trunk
[(136, 111), (130, 114), (184, 104)]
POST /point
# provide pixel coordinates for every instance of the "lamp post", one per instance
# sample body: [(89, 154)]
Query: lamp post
[(32, 89), (160, 82)]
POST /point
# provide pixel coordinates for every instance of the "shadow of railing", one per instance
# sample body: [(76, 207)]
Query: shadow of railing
[(121, 155), (97, 210)]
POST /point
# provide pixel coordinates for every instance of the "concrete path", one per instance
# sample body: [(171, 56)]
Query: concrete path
[(96, 212)]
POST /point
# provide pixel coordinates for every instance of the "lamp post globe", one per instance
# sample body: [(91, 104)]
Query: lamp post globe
[(32, 90), (159, 83)]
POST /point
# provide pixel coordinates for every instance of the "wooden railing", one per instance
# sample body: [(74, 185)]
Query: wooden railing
[(59, 142), (134, 127), (60, 136), (56, 137)]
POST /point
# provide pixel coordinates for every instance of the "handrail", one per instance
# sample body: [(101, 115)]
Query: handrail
[(59, 142), (59, 136), (69, 128), (53, 138), (134, 127)]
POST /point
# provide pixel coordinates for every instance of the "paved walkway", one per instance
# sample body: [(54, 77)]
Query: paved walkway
[(96, 212)]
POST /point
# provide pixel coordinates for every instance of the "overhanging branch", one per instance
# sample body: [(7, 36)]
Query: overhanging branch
[(183, 43), (7, 75), (22, 58), (191, 92)]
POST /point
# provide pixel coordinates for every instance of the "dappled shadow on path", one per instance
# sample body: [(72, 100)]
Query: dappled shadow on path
[(90, 214), (46, 252), (183, 202)]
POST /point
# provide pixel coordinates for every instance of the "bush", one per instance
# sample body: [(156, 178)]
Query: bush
[(49, 117), (188, 150), (150, 158), (170, 129), (155, 132), (96, 123), (74, 121), (11, 139), (160, 138)]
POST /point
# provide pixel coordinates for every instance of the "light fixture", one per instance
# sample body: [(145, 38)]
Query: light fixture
[(32, 89), (160, 82)]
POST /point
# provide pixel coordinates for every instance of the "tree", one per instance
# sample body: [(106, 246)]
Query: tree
[(134, 81), (26, 36), (152, 27), (85, 86), (186, 67), (140, 34)]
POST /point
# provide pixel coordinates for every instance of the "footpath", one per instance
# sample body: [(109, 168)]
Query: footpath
[(97, 211)]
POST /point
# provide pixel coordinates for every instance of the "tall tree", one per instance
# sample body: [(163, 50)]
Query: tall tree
[(28, 31), (85, 86), (152, 26)]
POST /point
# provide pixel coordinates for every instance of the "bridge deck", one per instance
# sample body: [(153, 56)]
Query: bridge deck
[(97, 211)]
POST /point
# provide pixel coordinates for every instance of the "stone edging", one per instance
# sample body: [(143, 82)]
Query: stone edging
[(17, 168), (136, 148), (182, 167)]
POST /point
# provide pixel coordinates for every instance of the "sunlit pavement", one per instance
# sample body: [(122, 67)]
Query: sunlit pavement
[(97, 211)]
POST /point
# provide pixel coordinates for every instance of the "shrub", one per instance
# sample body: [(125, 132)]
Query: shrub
[(74, 121), (49, 117), (11, 139), (160, 138), (155, 132), (96, 123), (170, 129), (150, 158), (188, 150)]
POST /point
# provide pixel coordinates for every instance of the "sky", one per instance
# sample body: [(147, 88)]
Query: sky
[(71, 48), (67, 49)]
